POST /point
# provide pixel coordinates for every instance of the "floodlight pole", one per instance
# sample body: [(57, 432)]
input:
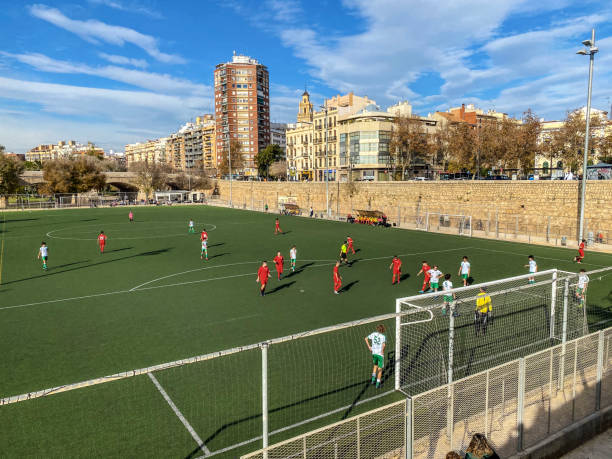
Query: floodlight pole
[(229, 161), (592, 49)]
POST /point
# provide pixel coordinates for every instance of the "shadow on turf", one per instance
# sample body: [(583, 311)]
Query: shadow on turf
[(365, 383), (217, 255), (217, 244), (404, 277), (142, 254), (118, 250), (299, 270), (348, 286), (280, 287)]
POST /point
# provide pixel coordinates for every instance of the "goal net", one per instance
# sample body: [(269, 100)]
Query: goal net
[(443, 336)]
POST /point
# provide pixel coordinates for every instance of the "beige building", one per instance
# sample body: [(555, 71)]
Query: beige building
[(63, 150), (184, 149), (313, 143), (192, 143), (151, 151), (547, 164), (364, 140)]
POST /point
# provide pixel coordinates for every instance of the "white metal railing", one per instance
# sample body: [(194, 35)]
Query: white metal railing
[(515, 405)]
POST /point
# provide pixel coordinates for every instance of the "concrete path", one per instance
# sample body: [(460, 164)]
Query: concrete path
[(599, 447)]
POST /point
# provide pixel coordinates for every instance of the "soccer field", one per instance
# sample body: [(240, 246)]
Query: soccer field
[(149, 299)]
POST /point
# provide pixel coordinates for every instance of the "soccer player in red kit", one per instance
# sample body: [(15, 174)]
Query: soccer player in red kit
[(578, 258), (203, 235), (279, 261), (263, 274), (101, 241), (349, 241), (396, 265), (425, 270), (131, 216), (337, 279), (277, 228)]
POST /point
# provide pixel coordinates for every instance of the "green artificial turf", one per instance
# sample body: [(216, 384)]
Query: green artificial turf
[(149, 299)]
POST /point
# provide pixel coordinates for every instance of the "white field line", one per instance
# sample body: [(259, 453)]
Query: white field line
[(179, 415), (297, 424), (543, 258), (328, 263), (139, 287)]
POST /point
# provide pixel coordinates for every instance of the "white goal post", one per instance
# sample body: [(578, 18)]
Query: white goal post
[(438, 341)]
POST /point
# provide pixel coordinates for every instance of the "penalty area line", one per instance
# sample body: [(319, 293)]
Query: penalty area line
[(179, 415)]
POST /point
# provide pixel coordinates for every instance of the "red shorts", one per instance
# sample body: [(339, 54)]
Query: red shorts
[(581, 253)]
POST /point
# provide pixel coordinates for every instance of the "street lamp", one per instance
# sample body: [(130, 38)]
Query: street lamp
[(589, 50)]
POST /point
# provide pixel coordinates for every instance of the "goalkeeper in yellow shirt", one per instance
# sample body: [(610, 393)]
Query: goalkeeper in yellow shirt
[(482, 312)]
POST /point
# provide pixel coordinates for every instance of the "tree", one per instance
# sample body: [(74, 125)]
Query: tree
[(440, 146), (72, 176), (409, 143), (150, 176), (568, 142), (267, 156), (2, 149), (462, 146), (10, 175), (528, 145), (237, 158)]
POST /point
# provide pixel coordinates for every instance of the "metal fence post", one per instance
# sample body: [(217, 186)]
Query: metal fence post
[(574, 379), (450, 413), (409, 427), (553, 303), (358, 438), (516, 227), (487, 404), (496, 225), (451, 343), (426, 221), (399, 216), (520, 403), (398, 343), (600, 360), (264, 396), (470, 226), (548, 229), (563, 334)]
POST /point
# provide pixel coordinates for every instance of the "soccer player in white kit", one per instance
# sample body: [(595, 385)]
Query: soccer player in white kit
[(377, 348), (434, 278), (533, 268), (43, 253), (581, 288), (191, 226), (293, 257), (465, 270)]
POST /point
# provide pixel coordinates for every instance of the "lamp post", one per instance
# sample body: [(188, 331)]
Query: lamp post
[(589, 50), (229, 163)]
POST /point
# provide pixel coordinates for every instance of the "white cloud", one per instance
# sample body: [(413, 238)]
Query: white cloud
[(115, 113), (96, 31), (460, 41), (130, 7), (153, 81), (123, 60)]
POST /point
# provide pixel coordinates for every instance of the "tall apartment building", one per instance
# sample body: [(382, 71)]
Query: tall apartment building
[(242, 108), (63, 150), (192, 143)]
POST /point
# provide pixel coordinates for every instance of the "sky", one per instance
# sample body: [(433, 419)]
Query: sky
[(122, 71)]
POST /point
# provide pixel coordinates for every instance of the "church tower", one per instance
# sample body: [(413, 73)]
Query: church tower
[(305, 113)]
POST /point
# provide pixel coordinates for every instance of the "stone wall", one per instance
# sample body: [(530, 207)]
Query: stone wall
[(523, 203)]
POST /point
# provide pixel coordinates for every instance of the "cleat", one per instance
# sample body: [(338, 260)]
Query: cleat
[(337, 293), (377, 385)]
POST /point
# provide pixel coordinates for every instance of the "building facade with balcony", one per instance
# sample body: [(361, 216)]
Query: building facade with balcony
[(242, 108), (63, 150), (151, 151), (313, 142)]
